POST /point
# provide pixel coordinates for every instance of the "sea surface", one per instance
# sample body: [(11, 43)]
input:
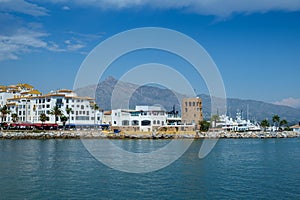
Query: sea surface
[(234, 169)]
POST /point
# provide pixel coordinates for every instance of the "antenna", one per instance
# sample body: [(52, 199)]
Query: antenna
[(247, 111)]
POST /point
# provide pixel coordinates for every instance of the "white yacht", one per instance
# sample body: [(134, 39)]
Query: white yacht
[(237, 125)]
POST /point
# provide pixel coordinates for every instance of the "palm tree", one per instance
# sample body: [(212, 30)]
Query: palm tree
[(276, 120), (43, 118), (68, 111), (56, 111), (63, 119), (264, 123), (95, 108), (283, 123), (4, 110), (14, 117), (214, 119)]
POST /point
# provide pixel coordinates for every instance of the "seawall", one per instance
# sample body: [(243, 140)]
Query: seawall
[(87, 134)]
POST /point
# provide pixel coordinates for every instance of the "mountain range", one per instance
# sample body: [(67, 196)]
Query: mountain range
[(112, 93)]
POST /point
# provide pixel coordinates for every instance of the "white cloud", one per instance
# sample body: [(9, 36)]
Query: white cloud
[(22, 6), (221, 8), (292, 102), (66, 8), (73, 46), (22, 41)]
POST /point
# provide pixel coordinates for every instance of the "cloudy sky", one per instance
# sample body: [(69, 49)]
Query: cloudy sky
[(255, 44)]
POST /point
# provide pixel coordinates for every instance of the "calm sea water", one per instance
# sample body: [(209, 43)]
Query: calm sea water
[(235, 169)]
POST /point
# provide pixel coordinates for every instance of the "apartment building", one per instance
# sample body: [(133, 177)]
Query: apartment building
[(29, 104)]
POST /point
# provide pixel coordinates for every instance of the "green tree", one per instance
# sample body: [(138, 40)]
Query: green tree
[(283, 123), (4, 111), (68, 111), (56, 111), (276, 120), (95, 108), (264, 123), (214, 119), (64, 119), (43, 117), (14, 117), (204, 125)]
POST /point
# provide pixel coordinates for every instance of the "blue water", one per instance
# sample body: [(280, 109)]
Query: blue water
[(235, 169)]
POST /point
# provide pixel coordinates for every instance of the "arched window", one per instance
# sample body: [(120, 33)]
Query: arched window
[(146, 123)]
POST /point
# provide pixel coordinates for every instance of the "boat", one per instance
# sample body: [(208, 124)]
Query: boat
[(238, 124)]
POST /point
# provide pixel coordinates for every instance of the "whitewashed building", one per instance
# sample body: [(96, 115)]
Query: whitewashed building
[(29, 104), (143, 118)]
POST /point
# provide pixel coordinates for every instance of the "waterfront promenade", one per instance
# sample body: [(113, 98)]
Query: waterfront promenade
[(97, 134)]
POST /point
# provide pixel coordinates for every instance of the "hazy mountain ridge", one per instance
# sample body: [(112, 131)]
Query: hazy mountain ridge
[(255, 110), (150, 95)]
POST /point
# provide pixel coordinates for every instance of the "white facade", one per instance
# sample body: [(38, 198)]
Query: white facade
[(30, 105), (145, 118)]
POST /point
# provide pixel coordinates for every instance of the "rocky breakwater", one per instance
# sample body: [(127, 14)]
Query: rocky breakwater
[(50, 134), (86, 134), (262, 135)]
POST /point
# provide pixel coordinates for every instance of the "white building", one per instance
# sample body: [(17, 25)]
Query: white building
[(296, 128), (29, 104), (143, 118)]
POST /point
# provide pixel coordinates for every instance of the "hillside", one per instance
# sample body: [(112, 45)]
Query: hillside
[(150, 95)]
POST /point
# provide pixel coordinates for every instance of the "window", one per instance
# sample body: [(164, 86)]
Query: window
[(146, 123), (186, 110), (190, 103), (154, 121), (115, 122), (194, 103), (135, 123), (125, 123), (158, 122), (82, 107)]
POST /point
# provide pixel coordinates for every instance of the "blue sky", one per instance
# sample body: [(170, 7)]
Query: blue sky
[(255, 44)]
